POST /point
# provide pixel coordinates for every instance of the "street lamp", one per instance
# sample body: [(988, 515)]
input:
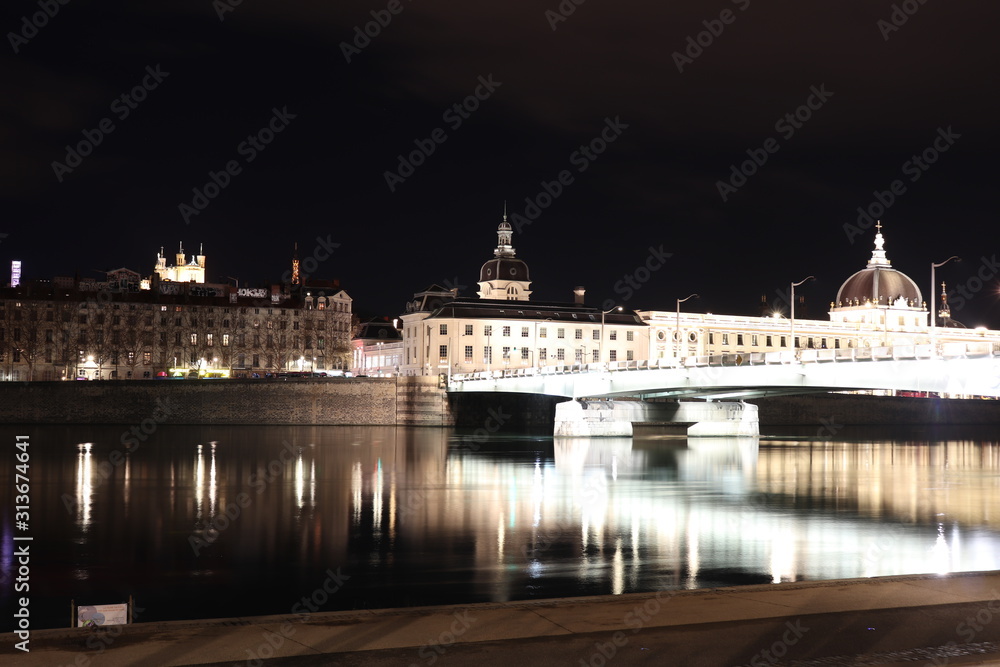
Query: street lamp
[(677, 334), (603, 313), (792, 319), (931, 300)]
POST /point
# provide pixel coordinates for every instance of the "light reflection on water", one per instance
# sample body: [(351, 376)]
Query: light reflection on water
[(227, 521)]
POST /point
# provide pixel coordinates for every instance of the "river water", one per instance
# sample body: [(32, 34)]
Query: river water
[(224, 521)]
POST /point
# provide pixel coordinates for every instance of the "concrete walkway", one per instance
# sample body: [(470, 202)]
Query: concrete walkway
[(907, 620)]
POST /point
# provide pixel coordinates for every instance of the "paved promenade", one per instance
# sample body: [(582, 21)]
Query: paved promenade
[(907, 620)]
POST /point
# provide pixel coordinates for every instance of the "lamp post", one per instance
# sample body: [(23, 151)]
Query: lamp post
[(677, 334), (603, 313), (792, 312), (931, 301)]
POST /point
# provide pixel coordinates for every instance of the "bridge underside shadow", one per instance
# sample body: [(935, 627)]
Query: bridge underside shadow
[(488, 413)]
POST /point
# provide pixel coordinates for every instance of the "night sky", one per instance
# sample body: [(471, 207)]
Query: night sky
[(884, 81)]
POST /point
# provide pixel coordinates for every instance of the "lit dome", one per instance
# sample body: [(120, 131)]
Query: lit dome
[(878, 282)]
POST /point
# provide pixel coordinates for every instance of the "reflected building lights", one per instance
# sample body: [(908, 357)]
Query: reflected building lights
[(356, 499), (300, 482), (377, 497), (213, 487), (84, 485), (618, 569)]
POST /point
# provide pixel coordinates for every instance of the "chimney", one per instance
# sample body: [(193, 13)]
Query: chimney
[(578, 293)]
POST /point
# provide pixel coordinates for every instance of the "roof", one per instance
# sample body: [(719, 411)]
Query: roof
[(500, 309)]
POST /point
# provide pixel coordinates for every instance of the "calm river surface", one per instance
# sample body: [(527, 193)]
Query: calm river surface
[(222, 521)]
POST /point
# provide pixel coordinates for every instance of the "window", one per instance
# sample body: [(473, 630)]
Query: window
[(630, 336), (506, 330), (560, 333), (488, 330), (767, 341), (725, 339), (468, 331), (443, 351), (524, 332), (524, 353), (613, 355), (613, 335), (295, 325), (739, 339), (561, 354), (596, 334), (578, 355), (256, 361), (443, 329), (784, 343), (147, 358), (225, 340), (542, 332), (753, 340), (629, 355), (578, 334), (711, 338), (506, 352), (468, 353), (320, 342), (487, 355), (595, 356), (836, 343), (543, 354)]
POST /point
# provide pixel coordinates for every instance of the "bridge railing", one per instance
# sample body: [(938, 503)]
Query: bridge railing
[(804, 356)]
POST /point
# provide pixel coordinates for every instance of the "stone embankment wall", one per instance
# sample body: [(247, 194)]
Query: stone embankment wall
[(826, 410), (349, 401)]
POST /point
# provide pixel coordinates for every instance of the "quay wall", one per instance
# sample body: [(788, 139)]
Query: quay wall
[(348, 401), (415, 401), (831, 411)]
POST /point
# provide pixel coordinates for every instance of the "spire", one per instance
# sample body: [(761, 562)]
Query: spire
[(504, 234), (295, 264), (878, 255)]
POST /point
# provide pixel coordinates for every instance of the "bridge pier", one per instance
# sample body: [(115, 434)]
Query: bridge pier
[(595, 418)]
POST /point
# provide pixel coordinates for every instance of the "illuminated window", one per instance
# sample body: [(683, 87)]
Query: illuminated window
[(209, 340), (225, 340)]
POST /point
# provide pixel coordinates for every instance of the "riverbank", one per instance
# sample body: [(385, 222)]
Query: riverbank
[(948, 619), (419, 401)]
